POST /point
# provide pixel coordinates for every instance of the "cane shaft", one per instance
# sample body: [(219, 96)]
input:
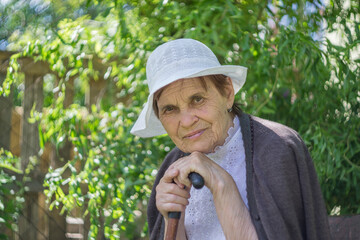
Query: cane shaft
[(171, 229)]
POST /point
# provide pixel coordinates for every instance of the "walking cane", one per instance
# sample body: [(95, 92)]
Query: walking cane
[(171, 230)]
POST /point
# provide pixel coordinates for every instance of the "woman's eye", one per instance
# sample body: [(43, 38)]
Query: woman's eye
[(168, 109), (197, 99)]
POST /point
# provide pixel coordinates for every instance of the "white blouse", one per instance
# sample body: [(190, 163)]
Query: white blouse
[(201, 221)]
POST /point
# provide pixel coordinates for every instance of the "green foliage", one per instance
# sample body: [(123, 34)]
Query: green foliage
[(297, 75), (11, 192), (111, 172)]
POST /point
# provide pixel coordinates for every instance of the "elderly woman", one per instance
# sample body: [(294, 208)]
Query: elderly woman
[(260, 181)]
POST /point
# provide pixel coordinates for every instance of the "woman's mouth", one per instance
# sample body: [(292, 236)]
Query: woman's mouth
[(194, 134)]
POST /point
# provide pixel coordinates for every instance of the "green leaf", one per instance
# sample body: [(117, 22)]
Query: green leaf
[(10, 167)]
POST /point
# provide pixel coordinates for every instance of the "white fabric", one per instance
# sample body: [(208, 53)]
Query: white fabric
[(201, 221), (174, 60)]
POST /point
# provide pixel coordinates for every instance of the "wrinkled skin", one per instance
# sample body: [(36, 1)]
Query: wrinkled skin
[(195, 118)]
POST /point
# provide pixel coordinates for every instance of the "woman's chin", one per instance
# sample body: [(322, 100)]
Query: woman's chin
[(203, 144), (195, 148)]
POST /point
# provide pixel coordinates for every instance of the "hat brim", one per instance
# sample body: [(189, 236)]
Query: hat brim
[(148, 125)]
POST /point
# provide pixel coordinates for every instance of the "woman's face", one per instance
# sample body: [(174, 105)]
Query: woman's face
[(196, 118)]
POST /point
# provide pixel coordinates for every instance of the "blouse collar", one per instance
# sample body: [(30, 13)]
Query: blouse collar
[(220, 151)]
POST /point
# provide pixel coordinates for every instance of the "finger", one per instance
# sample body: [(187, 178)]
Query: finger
[(182, 182), (171, 188), (169, 175), (171, 207), (184, 167), (172, 198), (167, 202)]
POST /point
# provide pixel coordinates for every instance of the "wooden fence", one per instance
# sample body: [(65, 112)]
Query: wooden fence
[(22, 139)]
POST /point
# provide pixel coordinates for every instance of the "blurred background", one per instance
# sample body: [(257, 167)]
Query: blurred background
[(73, 81)]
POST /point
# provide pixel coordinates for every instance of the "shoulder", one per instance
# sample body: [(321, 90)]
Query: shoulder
[(267, 131), (277, 145)]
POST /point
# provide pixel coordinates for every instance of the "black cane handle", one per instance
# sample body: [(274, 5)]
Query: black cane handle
[(175, 215), (197, 180)]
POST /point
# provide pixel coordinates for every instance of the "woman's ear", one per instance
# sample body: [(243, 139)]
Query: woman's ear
[(230, 93)]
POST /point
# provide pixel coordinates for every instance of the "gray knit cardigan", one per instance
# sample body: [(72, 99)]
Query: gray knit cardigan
[(284, 196)]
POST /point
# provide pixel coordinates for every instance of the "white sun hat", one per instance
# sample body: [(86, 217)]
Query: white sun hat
[(174, 60)]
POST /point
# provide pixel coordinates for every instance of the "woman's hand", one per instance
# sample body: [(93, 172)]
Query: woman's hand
[(171, 197), (213, 174), (232, 213)]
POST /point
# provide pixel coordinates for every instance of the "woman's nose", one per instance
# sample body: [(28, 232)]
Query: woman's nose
[(188, 118)]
